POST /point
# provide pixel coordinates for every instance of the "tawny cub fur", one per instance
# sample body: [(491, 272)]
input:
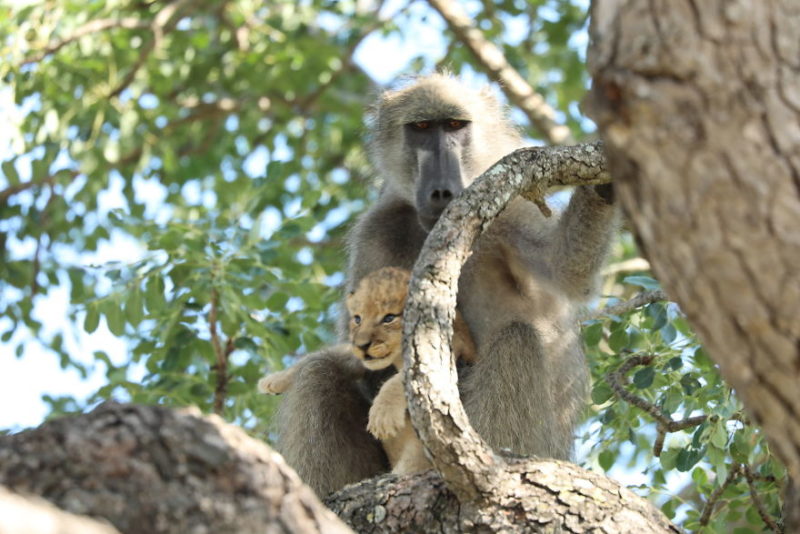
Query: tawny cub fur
[(376, 335)]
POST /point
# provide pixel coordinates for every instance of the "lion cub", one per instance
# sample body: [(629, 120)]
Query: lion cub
[(376, 335)]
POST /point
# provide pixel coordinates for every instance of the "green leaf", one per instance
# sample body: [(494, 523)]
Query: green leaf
[(719, 435), (92, 319), (645, 282), (618, 340), (668, 334), (658, 312), (134, 308), (245, 343), (606, 459), (690, 384), (643, 378), (669, 458), (10, 172), (592, 334), (601, 392), (669, 508), (699, 476), (112, 311), (740, 448), (687, 458), (154, 294)]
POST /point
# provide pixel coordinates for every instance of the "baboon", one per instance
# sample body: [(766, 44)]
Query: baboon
[(376, 336), (518, 292)]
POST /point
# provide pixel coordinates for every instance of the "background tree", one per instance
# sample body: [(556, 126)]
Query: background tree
[(226, 140)]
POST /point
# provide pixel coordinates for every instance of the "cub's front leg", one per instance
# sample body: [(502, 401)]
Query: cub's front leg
[(388, 412), (277, 383)]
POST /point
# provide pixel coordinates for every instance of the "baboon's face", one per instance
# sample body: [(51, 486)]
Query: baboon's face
[(438, 149)]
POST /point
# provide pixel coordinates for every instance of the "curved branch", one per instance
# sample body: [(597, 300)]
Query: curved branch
[(467, 464)]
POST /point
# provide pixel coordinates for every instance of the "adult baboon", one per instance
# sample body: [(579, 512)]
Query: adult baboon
[(518, 292)]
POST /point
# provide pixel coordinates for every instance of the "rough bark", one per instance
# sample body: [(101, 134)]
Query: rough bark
[(549, 496), (152, 470), (699, 105), (30, 515)]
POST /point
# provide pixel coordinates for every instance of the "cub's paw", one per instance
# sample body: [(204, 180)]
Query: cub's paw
[(386, 420), (274, 384)]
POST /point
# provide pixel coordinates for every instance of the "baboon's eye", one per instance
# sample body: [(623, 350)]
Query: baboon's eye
[(357, 319), (455, 124), (420, 125), (388, 318)]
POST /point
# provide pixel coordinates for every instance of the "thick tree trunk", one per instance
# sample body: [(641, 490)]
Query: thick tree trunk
[(151, 470), (699, 104)]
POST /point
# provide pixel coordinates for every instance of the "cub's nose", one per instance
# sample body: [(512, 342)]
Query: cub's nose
[(365, 346)]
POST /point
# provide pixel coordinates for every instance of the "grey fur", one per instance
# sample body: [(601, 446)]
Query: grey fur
[(519, 294)]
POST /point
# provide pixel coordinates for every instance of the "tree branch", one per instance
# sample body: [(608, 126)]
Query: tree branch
[(468, 465), (757, 502), (10, 191), (221, 367), (90, 27), (642, 299), (733, 474), (163, 22), (161, 471), (663, 420), (493, 61)]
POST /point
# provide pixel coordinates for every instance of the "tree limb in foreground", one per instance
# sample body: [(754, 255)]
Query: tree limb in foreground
[(153, 470)]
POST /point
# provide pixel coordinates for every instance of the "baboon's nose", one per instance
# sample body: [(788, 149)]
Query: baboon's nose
[(440, 198)]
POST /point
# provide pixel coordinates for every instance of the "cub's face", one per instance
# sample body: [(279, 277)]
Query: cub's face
[(376, 310)]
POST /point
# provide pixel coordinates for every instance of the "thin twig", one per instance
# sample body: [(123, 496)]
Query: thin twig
[(664, 422), (90, 27), (491, 58), (162, 23), (221, 367), (641, 299), (733, 474), (10, 191), (758, 503)]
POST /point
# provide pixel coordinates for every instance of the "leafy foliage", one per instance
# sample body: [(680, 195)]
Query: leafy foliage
[(710, 453), (214, 150)]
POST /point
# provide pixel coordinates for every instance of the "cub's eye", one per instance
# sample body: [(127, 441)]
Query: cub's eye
[(421, 125), (388, 318), (357, 319), (455, 124)]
